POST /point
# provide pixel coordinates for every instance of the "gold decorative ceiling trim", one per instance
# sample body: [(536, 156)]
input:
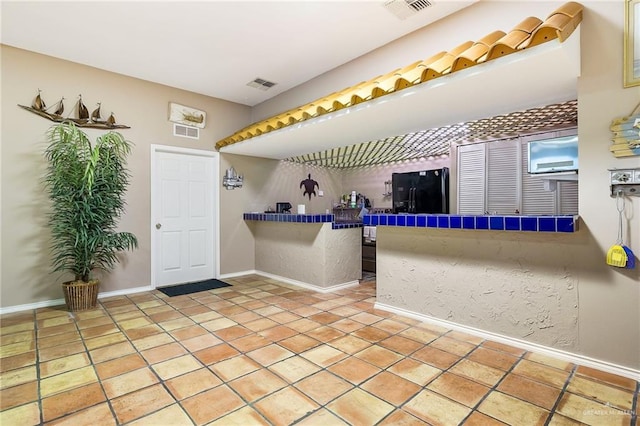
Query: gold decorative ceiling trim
[(532, 31), (437, 141)]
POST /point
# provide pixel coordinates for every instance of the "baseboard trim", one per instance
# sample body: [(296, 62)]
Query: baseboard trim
[(124, 292), (238, 274), (28, 306), (313, 287), (529, 346), (57, 302)]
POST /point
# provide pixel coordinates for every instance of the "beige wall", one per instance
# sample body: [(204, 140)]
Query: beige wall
[(309, 253), (607, 324), (142, 105), (266, 182), (511, 283)]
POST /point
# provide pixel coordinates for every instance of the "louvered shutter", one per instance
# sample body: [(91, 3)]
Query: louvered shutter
[(503, 177), (568, 197), (471, 179)]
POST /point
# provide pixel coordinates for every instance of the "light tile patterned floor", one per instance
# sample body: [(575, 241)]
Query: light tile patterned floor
[(265, 353)]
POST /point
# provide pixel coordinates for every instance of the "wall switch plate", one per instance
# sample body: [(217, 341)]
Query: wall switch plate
[(320, 193)]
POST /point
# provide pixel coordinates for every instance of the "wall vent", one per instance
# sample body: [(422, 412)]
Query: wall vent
[(186, 131), (402, 9), (262, 84)]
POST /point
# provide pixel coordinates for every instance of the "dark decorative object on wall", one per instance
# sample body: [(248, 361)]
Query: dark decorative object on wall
[(309, 186), (83, 119)]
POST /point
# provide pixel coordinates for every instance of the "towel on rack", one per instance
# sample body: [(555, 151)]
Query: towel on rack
[(366, 231)]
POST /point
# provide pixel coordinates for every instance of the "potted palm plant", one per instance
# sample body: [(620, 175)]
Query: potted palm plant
[(86, 185)]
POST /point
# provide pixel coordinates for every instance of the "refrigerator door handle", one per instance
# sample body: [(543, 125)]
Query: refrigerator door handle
[(412, 200)]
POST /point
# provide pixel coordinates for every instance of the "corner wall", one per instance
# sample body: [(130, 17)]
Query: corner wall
[(25, 276), (609, 326), (266, 182)]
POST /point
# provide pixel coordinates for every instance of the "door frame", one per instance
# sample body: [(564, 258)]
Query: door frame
[(155, 149)]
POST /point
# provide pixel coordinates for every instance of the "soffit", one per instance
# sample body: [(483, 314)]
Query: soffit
[(533, 67)]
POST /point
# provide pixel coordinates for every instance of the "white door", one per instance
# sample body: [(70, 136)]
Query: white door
[(183, 231)]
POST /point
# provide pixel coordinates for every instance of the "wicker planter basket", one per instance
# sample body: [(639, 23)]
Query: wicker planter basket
[(80, 295)]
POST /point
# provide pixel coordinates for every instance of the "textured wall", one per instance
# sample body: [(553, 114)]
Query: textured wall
[(524, 286), (343, 261), (311, 253)]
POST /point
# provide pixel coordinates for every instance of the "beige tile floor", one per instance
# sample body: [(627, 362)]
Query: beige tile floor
[(265, 353)]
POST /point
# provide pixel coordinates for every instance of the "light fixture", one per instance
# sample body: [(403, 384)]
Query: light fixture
[(231, 179)]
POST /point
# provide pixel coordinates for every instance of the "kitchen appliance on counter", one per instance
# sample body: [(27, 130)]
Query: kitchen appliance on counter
[(425, 191), (283, 207)]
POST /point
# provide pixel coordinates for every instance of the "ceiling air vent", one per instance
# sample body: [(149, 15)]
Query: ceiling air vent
[(405, 8), (186, 131), (262, 84)]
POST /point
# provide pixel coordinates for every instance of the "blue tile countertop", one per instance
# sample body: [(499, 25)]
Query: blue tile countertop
[(300, 218), (565, 223)]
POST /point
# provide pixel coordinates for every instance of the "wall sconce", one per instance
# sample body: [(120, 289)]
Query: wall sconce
[(231, 179)]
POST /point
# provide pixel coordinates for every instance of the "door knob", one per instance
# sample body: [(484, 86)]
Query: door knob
[(158, 225)]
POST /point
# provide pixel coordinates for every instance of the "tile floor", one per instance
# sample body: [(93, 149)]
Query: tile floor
[(265, 353)]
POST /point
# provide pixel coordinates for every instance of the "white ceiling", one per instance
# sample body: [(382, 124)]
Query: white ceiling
[(212, 47)]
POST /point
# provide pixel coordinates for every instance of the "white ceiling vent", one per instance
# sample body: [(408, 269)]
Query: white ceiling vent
[(262, 84), (405, 8), (186, 131)]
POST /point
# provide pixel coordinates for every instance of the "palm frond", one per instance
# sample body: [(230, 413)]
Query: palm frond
[(86, 185)]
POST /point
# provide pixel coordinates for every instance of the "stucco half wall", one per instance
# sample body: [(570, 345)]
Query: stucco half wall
[(310, 253), (514, 284)]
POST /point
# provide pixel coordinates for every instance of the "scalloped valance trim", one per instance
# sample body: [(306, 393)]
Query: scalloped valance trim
[(532, 31)]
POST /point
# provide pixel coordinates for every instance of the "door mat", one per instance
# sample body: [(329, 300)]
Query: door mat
[(180, 289)]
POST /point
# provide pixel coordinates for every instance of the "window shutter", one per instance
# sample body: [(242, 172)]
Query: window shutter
[(471, 179), (568, 196), (503, 177)]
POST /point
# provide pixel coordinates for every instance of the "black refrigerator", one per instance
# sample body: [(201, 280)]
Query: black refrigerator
[(425, 191)]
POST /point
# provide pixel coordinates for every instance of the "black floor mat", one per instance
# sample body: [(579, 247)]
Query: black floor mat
[(180, 289)]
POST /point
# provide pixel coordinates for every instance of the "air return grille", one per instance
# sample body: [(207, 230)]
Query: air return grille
[(262, 84), (405, 8), (186, 131)]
